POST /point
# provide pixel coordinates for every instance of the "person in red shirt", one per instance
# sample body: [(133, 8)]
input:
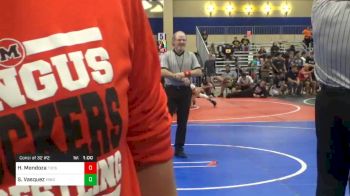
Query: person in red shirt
[(76, 78), (305, 78)]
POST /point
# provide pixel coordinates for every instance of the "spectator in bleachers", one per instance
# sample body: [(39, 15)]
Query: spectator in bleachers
[(245, 43), (298, 61), (209, 66), (305, 78), (212, 49), (227, 79), (236, 44), (228, 52), (262, 53), (205, 37), (279, 65), (275, 50), (308, 41), (291, 49), (244, 81), (310, 58), (293, 81), (253, 67), (303, 57), (220, 49), (258, 91), (266, 69), (289, 59)]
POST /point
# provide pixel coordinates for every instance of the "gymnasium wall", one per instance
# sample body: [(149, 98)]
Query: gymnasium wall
[(191, 13)]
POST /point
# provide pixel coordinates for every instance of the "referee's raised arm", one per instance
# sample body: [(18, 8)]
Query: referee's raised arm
[(331, 30)]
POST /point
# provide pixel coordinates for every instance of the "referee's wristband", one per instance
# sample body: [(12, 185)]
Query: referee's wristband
[(187, 73)]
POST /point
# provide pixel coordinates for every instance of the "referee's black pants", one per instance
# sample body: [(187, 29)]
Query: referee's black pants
[(333, 140), (179, 101)]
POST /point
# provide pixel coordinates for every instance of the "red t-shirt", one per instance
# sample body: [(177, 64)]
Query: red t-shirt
[(302, 75), (81, 77)]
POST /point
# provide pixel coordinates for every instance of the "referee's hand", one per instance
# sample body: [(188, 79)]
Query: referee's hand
[(187, 81)]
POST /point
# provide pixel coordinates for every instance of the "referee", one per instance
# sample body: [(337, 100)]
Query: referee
[(178, 66), (331, 25)]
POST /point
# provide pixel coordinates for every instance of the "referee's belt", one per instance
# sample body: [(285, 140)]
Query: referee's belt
[(334, 90), (177, 87)]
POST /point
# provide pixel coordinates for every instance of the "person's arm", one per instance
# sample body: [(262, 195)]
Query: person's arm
[(148, 135)]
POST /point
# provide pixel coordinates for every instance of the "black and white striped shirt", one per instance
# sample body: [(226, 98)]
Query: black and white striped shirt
[(331, 33)]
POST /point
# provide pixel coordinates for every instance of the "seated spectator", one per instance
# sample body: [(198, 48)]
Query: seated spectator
[(291, 49), (275, 50), (220, 49), (298, 61), (245, 43), (227, 79), (279, 65), (303, 57), (258, 91), (262, 52), (266, 69), (244, 82), (279, 84), (198, 92), (236, 44), (305, 78), (228, 52), (293, 82), (310, 58), (253, 67)]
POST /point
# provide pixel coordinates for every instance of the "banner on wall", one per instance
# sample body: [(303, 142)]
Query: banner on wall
[(162, 44)]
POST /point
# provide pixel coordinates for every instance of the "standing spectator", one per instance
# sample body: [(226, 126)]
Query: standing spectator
[(293, 81), (308, 41), (227, 79), (244, 81), (258, 91), (209, 66), (275, 50), (220, 49), (178, 67), (245, 43), (298, 61), (236, 44)]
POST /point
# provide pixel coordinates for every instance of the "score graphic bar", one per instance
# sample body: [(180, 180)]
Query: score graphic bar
[(48, 170)]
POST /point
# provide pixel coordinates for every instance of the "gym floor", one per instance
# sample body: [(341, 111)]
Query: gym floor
[(249, 147)]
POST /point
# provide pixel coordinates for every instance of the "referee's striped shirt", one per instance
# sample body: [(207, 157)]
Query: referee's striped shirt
[(331, 32)]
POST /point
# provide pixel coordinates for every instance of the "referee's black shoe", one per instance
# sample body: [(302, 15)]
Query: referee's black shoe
[(180, 154)]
